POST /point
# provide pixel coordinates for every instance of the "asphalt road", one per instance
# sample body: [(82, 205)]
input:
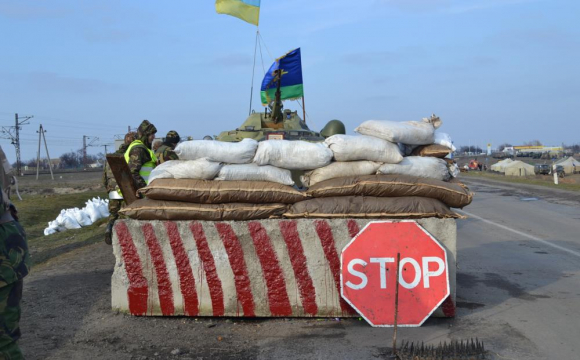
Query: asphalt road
[(518, 291)]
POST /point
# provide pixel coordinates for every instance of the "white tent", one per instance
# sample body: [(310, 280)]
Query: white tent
[(570, 165), (519, 168), (500, 165)]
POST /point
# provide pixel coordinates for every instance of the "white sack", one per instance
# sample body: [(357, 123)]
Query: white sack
[(53, 228), (340, 169), (102, 206), (293, 155), (81, 217), (66, 219), (49, 231), (444, 139), (426, 167), (200, 169), (353, 148), (219, 151), (253, 172), (409, 132), (92, 211)]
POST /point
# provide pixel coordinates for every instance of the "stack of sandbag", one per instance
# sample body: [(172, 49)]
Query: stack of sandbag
[(364, 176), (215, 181), (392, 170)]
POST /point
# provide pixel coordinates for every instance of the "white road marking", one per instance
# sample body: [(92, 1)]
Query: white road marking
[(531, 237)]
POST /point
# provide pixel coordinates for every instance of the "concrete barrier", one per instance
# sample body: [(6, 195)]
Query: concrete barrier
[(264, 268)]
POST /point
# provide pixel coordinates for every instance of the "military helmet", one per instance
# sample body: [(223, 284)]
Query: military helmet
[(172, 137), (334, 127), (146, 129)]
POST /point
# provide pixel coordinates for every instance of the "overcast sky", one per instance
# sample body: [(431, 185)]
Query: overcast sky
[(494, 70)]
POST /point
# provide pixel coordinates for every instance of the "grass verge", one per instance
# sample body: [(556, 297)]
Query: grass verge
[(517, 180), (35, 211)]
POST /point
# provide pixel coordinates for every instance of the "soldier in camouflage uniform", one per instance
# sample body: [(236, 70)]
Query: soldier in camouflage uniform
[(139, 156), (14, 266), (165, 151), (115, 198)]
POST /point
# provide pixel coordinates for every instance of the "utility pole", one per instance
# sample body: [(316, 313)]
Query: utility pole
[(15, 138), (85, 146), (41, 132)]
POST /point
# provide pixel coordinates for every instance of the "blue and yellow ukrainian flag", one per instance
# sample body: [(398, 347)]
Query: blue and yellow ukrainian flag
[(247, 10), (291, 86)]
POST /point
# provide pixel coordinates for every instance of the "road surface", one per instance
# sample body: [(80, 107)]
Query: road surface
[(518, 291)]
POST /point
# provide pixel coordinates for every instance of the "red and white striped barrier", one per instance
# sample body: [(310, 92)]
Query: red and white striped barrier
[(263, 268)]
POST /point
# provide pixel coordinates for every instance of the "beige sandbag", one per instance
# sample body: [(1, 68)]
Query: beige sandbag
[(425, 167), (217, 192), (339, 169), (433, 150), (408, 132), (409, 207), (453, 194), (147, 209), (362, 147)]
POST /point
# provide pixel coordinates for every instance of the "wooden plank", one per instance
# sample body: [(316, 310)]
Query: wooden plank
[(123, 177)]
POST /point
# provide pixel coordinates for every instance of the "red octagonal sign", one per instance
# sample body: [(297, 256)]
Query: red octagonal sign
[(368, 273)]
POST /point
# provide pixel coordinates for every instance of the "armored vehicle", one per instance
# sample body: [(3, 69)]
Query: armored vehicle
[(263, 126)]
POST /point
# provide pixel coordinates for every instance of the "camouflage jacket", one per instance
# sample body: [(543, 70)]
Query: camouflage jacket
[(138, 156), (165, 153), (14, 256), (108, 178)]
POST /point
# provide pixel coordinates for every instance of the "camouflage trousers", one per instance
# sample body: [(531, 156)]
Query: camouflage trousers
[(10, 296), (114, 207)]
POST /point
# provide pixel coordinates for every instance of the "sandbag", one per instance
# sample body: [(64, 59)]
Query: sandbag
[(444, 139), (92, 211), (409, 132), (147, 209), (366, 207), (218, 151), (340, 169), (453, 194), (200, 169), (66, 219), (425, 167), (353, 148), (82, 217), (253, 172), (217, 192), (293, 155), (433, 150)]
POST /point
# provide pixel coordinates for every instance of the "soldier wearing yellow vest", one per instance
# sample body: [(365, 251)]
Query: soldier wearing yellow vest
[(139, 156)]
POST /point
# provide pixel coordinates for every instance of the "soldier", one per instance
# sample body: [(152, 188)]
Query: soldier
[(165, 151), (14, 266), (156, 145), (115, 196), (139, 156)]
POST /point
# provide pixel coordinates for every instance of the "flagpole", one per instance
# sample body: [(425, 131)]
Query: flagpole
[(303, 108), (253, 71)]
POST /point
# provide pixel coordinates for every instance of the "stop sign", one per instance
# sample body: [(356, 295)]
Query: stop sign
[(368, 273)]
